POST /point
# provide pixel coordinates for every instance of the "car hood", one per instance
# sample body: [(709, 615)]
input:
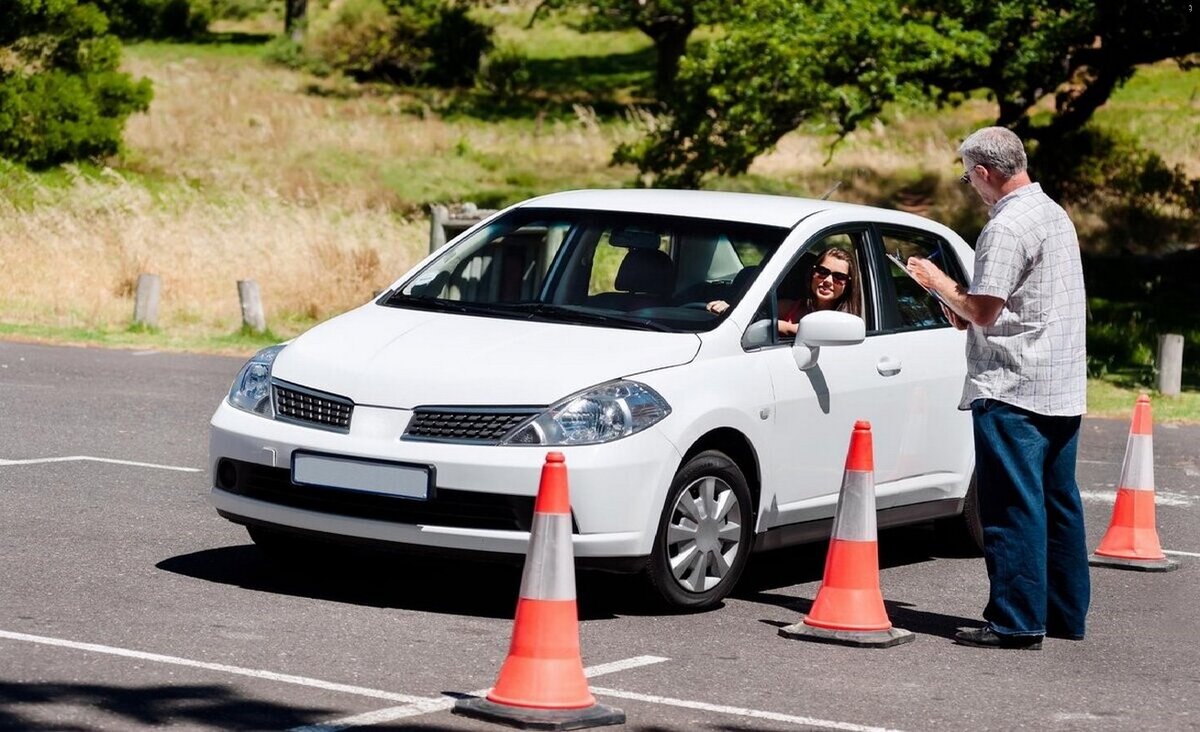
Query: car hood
[(399, 358)]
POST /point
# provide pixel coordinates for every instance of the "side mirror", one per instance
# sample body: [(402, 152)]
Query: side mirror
[(760, 334), (825, 328)]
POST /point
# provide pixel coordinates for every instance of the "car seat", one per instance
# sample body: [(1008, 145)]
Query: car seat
[(643, 280)]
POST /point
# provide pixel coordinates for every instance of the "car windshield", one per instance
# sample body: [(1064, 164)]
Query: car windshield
[(610, 269)]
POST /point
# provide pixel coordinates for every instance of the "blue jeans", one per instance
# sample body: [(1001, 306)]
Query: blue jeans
[(1032, 517)]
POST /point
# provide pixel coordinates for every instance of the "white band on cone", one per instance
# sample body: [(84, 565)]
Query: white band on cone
[(550, 562), (1137, 472), (855, 518)]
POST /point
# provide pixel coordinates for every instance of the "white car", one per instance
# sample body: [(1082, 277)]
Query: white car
[(578, 322)]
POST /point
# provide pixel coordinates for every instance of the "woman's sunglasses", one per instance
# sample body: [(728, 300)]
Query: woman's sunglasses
[(821, 272)]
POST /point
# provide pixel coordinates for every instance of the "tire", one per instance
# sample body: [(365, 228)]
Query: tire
[(962, 535), (705, 533)]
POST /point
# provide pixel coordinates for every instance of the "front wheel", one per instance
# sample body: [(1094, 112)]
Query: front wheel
[(705, 534)]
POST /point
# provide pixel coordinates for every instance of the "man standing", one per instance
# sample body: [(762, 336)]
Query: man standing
[(1026, 388)]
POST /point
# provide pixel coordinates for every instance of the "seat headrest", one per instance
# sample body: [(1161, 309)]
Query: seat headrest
[(645, 270)]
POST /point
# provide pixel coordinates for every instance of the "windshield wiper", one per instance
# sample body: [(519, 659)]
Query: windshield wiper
[(426, 303), (570, 314), (528, 310)]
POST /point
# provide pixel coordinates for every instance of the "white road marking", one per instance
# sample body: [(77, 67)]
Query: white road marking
[(89, 458), (223, 668), (739, 711), (628, 663), (429, 706), (1182, 554), (1161, 498)]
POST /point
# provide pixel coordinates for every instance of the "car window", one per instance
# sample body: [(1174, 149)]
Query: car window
[(915, 308), (787, 301), (613, 269)]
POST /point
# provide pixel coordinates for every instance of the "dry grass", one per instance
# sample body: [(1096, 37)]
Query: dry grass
[(73, 260)]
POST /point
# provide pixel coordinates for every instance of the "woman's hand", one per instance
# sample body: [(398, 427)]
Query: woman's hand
[(716, 307), (788, 329)]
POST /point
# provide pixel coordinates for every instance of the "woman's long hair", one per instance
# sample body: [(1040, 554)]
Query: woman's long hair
[(849, 302)]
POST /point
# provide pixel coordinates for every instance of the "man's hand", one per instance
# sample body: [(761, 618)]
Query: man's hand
[(927, 274)]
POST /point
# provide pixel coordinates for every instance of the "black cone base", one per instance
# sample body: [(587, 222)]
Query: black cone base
[(1140, 565), (596, 715), (862, 638)]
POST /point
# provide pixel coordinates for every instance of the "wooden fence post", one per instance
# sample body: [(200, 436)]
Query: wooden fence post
[(1170, 364), (145, 305), (252, 309), (438, 216)]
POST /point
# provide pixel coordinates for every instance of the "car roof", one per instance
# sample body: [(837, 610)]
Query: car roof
[(751, 208)]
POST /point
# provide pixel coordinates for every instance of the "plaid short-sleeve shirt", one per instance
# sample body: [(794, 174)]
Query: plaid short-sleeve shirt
[(1034, 356)]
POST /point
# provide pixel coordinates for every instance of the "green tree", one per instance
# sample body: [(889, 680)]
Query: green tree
[(668, 23), (61, 95), (782, 64)]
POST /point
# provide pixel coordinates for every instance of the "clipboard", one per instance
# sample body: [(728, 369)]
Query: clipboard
[(896, 260)]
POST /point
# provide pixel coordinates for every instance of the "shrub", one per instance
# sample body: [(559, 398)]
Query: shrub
[(61, 95), (402, 41), (504, 73), (1147, 205), (157, 18)]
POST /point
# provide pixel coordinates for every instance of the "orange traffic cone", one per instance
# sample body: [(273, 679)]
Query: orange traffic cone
[(541, 684), (1131, 541), (849, 606)]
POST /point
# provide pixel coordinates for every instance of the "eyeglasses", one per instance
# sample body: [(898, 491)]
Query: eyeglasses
[(821, 272), (965, 177)]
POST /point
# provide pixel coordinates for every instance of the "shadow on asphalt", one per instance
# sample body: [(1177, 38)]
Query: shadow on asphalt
[(806, 564), (456, 587), (489, 589), (210, 705)]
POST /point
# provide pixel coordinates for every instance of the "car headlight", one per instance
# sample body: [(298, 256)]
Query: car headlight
[(251, 390), (600, 414)]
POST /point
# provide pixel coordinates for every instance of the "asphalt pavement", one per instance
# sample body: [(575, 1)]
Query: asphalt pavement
[(126, 603)]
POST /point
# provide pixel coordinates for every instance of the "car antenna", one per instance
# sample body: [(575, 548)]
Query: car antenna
[(831, 190)]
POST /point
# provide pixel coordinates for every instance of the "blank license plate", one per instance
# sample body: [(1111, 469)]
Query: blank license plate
[(391, 479)]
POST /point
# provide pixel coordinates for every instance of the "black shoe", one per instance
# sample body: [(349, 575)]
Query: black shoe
[(987, 638)]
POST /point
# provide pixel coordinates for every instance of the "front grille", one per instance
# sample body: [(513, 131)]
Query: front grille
[(464, 425), (313, 408), (461, 509)]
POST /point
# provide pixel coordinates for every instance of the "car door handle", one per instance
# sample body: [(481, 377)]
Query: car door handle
[(888, 366)]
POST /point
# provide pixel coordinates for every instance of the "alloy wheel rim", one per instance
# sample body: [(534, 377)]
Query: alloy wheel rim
[(704, 534)]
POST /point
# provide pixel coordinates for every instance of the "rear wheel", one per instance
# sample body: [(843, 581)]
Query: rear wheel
[(963, 534), (705, 533)]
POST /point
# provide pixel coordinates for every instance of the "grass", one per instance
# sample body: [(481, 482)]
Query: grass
[(318, 187), (1110, 399)]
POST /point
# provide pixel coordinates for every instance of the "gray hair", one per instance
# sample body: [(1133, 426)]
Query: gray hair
[(995, 148)]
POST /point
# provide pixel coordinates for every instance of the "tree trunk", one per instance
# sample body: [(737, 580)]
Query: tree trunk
[(670, 44), (293, 18)]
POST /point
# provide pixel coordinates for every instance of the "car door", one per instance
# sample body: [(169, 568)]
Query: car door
[(936, 444), (816, 408)]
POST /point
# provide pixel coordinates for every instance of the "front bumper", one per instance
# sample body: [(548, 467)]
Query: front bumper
[(617, 489)]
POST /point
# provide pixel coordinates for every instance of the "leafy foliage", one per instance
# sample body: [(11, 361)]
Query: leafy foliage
[(61, 95), (783, 64), (403, 41), (156, 18)]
